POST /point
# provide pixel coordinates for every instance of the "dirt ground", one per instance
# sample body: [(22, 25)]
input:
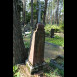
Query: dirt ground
[(59, 34), (25, 73), (52, 51)]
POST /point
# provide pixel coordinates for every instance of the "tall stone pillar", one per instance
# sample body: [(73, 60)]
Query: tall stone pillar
[(36, 56)]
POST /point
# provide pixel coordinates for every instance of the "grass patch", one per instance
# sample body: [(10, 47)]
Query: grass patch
[(26, 42), (53, 71), (28, 67), (56, 40), (26, 38)]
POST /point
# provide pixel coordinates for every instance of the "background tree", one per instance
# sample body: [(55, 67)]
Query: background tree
[(24, 12), (19, 52), (32, 13), (55, 12), (45, 9), (56, 16)]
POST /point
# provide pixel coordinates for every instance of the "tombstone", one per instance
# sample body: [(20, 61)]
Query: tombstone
[(35, 60), (52, 33)]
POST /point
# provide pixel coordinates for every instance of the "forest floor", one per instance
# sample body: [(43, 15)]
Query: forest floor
[(25, 73), (49, 71), (59, 34), (50, 52)]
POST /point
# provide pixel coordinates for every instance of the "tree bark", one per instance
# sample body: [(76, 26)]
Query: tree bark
[(45, 11), (24, 9), (32, 13), (24, 15), (56, 16), (19, 52)]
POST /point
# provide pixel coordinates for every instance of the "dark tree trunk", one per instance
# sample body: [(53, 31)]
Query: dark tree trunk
[(24, 14), (32, 13), (24, 9), (57, 12), (45, 11), (19, 52), (51, 12)]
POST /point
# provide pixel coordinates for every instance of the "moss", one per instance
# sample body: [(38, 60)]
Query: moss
[(28, 67)]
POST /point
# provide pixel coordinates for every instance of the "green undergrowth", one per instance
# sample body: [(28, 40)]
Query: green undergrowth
[(28, 67), (48, 28), (27, 44), (53, 71), (56, 40), (15, 71)]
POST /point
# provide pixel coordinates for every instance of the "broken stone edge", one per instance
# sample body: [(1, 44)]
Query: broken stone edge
[(34, 69)]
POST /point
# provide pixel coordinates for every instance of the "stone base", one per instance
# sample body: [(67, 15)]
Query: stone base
[(34, 69)]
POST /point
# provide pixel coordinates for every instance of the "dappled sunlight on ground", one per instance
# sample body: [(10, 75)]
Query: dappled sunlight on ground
[(52, 51), (59, 34)]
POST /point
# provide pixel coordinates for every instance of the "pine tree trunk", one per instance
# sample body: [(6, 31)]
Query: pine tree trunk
[(57, 19), (24, 14), (24, 9), (19, 52), (45, 11), (32, 13)]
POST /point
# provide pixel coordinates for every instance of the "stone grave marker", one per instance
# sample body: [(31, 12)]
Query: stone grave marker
[(52, 33), (35, 60)]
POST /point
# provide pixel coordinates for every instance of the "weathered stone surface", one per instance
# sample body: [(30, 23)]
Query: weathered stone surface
[(37, 46), (24, 72), (36, 57), (34, 69)]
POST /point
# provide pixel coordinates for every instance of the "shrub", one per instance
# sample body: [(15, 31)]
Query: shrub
[(61, 28), (47, 33), (15, 71), (27, 44), (48, 28), (57, 28)]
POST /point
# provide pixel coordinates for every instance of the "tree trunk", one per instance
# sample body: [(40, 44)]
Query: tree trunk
[(24, 9), (24, 15), (19, 52), (45, 11), (60, 15), (56, 17), (32, 13), (51, 12), (52, 20)]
